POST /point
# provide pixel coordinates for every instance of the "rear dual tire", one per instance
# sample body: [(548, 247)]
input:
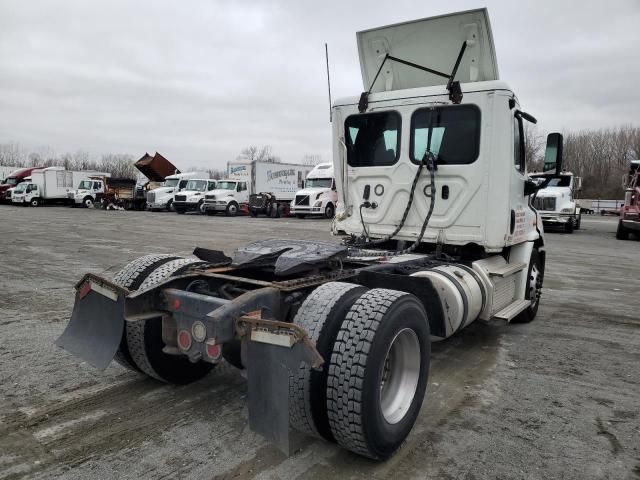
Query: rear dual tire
[(141, 345), (376, 347)]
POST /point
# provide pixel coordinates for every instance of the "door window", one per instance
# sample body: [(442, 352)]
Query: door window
[(373, 139), (451, 133), (518, 145)]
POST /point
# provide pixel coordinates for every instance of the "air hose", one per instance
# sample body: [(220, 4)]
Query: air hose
[(429, 161)]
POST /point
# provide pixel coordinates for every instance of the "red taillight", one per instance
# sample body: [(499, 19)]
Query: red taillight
[(214, 351), (184, 340)]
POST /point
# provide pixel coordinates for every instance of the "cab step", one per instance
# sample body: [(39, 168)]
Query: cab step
[(507, 270), (509, 312)]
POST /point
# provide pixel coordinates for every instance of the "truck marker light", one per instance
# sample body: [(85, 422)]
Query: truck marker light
[(176, 304), (184, 340), (199, 331)]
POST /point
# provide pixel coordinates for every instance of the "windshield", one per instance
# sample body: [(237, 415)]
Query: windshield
[(563, 181), (11, 181), (171, 182), (318, 182), (85, 185), (21, 187), (226, 186), (198, 185)]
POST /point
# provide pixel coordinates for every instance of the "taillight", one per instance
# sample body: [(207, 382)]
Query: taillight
[(184, 340), (213, 350)]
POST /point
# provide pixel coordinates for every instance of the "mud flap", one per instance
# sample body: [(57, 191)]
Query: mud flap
[(97, 322), (269, 367)]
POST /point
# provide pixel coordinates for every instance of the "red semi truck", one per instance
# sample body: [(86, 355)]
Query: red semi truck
[(630, 212), (14, 179)]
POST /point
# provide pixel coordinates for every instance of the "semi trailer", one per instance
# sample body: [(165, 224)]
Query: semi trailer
[(629, 222), (438, 230), (319, 195)]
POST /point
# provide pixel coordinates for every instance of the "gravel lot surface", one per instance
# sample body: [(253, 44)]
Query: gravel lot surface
[(557, 398)]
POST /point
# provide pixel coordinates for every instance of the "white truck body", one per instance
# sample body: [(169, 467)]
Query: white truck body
[(161, 198), (557, 202), (52, 184), (230, 196), (87, 190), (191, 197), (319, 195)]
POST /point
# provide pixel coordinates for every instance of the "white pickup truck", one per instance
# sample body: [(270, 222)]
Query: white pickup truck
[(319, 195), (557, 202)]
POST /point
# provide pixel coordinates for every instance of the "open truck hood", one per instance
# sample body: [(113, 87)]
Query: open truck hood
[(431, 42)]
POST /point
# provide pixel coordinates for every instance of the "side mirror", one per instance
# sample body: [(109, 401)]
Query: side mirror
[(553, 154), (577, 185)]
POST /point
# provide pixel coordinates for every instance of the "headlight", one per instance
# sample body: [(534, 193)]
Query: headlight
[(318, 203), (566, 210)]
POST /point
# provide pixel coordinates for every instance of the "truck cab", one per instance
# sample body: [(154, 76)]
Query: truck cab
[(161, 198), (629, 222), (191, 197), (556, 202), (229, 196), (13, 180), (23, 192), (87, 192), (319, 195)]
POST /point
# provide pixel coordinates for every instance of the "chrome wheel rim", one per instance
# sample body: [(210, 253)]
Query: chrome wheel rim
[(232, 209), (535, 287), (400, 375)]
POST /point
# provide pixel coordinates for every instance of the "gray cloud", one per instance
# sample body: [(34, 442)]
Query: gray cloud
[(200, 80)]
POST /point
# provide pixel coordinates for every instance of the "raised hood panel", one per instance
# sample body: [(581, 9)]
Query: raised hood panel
[(433, 43)]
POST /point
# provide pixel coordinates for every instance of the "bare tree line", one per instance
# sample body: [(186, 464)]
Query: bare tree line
[(117, 164), (600, 157)]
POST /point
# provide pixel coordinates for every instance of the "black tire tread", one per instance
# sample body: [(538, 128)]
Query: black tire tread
[(131, 277), (347, 368), (312, 316)]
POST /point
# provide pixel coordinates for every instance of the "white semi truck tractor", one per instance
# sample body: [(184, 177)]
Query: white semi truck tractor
[(557, 201), (438, 231), (161, 198), (319, 195)]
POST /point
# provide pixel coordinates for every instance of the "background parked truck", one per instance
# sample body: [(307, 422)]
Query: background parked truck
[(161, 198), (272, 186), (191, 198), (12, 181), (319, 195), (557, 202), (51, 185), (630, 213)]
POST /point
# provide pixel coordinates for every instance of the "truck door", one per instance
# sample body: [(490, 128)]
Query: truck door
[(519, 207)]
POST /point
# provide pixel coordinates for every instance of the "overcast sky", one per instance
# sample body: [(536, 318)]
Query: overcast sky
[(200, 80)]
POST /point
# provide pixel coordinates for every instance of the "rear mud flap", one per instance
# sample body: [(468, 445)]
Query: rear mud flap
[(269, 367), (95, 329)]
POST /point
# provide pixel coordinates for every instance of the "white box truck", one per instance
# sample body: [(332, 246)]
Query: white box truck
[(52, 185), (319, 195), (161, 198), (273, 186)]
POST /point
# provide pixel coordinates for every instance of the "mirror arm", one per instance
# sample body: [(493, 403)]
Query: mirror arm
[(525, 116)]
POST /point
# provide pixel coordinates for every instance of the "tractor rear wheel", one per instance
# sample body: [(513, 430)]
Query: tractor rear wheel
[(144, 338), (321, 315), (131, 277), (378, 372)]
